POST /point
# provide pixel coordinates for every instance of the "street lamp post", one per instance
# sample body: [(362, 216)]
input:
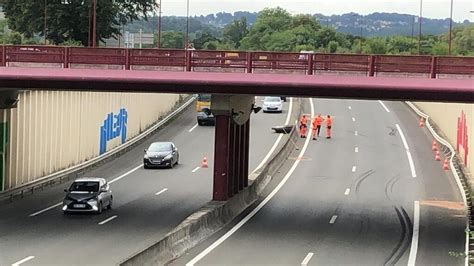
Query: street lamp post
[(450, 28), (187, 26), (419, 32), (45, 19), (159, 26), (94, 23)]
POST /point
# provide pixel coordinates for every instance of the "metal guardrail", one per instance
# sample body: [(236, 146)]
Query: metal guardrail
[(188, 60), (42, 182)]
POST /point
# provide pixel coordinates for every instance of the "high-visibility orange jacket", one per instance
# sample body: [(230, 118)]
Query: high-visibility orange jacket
[(329, 121), (304, 120), (317, 121)]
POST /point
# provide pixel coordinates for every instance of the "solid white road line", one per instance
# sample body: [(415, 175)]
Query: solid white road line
[(260, 206), (416, 233), (353, 119), (410, 159), (275, 145), (110, 182), (333, 219), (194, 127), (356, 133), (195, 169), (161, 191), (348, 190), (23, 260), (108, 220), (384, 107), (354, 168), (307, 259), (356, 149)]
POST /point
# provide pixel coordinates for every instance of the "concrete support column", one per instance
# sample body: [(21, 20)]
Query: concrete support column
[(232, 162), (221, 157)]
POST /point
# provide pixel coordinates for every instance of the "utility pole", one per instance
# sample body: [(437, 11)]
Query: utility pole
[(45, 19), (94, 23), (159, 26), (412, 34), (419, 32), (450, 28), (187, 26)]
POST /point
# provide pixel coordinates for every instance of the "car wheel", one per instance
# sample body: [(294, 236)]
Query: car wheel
[(177, 160), (200, 123), (99, 211), (145, 166), (110, 204), (171, 165)]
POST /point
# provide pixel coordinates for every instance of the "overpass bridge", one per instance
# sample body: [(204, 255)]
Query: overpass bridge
[(426, 78)]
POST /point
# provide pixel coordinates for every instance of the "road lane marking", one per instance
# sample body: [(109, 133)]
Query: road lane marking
[(353, 119), (194, 127), (195, 169), (108, 220), (333, 219), (354, 168), (356, 149), (384, 107), (416, 233), (349, 107), (275, 145), (161, 191), (260, 206), (23, 260), (110, 182), (307, 259), (410, 159), (348, 190), (356, 133)]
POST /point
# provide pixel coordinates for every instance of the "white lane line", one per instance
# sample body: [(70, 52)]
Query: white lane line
[(353, 119), (23, 260), (356, 149), (307, 259), (354, 168), (356, 133), (410, 159), (110, 182), (275, 145), (161, 191), (108, 220), (416, 233), (348, 190), (195, 169), (260, 206), (194, 127), (384, 107), (349, 107), (333, 219)]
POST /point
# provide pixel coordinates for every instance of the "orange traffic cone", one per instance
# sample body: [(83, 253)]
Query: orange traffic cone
[(422, 122), (204, 163), (437, 156), (445, 164), (434, 147)]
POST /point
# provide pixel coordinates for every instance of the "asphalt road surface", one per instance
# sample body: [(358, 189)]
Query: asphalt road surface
[(354, 199), (147, 203)]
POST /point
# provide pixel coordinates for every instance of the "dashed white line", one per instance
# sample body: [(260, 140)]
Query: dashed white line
[(194, 127), (348, 190), (195, 169), (353, 119), (384, 107), (416, 233), (23, 260), (356, 149), (356, 133), (405, 144), (307, 259), (108, 220), (354, 168), (161, 191), (110, 182), (259, 207), (333, 219)]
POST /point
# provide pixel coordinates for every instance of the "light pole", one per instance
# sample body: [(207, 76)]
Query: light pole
[(94, 23), (187, 26), (159, 26), (450, 28), (419, 32), (45, 19)]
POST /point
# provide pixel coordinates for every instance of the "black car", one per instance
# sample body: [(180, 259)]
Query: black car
[(161, 154), (88, 194), (205, 117)]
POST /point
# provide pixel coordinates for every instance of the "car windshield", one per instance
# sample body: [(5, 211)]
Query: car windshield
[(272, 99), (84, 186), (204, 97), (159, 147)]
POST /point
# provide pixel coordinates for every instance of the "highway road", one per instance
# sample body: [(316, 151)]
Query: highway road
[(147, 203), (354, 199)]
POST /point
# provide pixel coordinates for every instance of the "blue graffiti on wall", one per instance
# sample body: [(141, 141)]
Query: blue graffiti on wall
[(114, 126)]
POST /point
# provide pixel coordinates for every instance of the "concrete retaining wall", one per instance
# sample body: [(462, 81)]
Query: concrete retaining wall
[(54, 130)]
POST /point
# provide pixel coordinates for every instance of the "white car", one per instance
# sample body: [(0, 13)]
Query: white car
[(272, 104)]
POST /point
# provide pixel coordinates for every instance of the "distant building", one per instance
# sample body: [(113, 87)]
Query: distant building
[(131, 40)]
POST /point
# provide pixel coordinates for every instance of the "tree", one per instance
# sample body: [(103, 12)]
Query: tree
[(172, 39), (400, 44), (236, 31), (70, 20), (203, 38), (333, 46), (14, 38), (375, 46)]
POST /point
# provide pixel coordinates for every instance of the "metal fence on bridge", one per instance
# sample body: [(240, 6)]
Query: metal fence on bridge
[(190, 60)]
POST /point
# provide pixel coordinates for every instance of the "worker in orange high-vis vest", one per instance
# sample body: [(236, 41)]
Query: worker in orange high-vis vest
[(303, 126), (328, 126), (317, 122)]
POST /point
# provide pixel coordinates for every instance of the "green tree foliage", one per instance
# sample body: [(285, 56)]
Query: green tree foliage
[(236, 31), (202, 38), (401, 45), (172, 39), (70, 19), (14, 38)]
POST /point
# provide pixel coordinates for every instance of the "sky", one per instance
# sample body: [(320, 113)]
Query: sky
[(431, 8)]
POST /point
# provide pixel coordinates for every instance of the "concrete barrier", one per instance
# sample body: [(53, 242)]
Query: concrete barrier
[(214, 215)]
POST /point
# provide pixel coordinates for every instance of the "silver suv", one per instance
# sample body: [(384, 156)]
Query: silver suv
[(88, 194)]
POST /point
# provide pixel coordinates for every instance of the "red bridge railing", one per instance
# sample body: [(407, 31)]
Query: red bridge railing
[(246, 61)]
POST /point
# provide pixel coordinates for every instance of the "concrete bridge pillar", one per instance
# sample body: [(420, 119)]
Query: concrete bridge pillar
[(231, 149)]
